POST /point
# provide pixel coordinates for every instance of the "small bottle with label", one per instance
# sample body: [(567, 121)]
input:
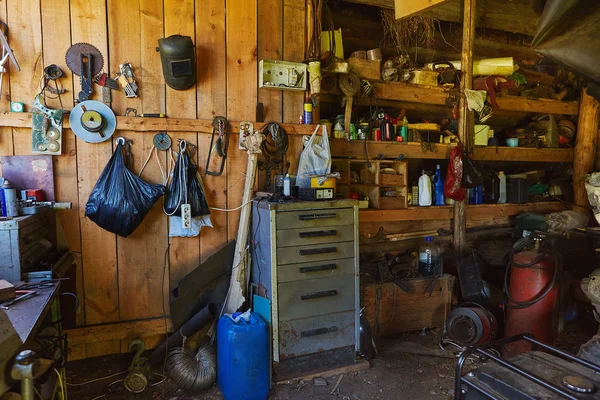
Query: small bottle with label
[(287, 185)]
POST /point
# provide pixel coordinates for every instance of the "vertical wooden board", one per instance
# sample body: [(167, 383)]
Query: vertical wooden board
[(180, 19), (151, 82), (293, 50), (293, 154), (56, 41), (98, 247), (124, 32), (270, 41), (24, 22), (241, 94), (211, 89), (212, 239), (141, 255), (210, 56)]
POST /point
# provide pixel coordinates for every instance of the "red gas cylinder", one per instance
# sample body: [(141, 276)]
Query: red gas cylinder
[(532, 300)]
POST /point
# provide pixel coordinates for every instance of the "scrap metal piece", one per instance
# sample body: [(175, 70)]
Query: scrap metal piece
[(218, 148)]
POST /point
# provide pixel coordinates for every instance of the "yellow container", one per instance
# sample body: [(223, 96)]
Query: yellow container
[(329, 182)]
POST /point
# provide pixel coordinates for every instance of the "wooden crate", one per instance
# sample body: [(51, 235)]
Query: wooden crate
[(392, 180), (392, 203), (389, 309)]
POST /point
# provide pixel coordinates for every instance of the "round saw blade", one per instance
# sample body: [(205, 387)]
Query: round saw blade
[(74, 54)]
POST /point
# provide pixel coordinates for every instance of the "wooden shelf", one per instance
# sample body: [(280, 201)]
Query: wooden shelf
[(447, 212), (440, 96), (140, 124), (392, 150)]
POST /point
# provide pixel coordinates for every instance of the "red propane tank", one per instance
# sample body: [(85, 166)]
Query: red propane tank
[(527, 284)]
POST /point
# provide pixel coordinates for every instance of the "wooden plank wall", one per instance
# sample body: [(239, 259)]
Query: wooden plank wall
[(120, 280)]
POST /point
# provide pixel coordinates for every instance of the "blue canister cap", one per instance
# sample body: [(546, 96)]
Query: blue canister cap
[(429, 239)]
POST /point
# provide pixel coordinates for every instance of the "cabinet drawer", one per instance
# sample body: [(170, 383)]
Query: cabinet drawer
[(308, 298), (314, 270), (320, 235), (313, 335), (315, 218), (301, 254)]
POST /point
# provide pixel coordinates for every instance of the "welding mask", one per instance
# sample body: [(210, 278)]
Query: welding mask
[(178, 61)]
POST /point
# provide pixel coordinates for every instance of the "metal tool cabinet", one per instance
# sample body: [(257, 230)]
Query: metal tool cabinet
[(305, 262)]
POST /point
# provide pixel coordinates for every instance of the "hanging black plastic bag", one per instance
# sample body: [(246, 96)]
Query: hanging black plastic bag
[(120, 200), (185, 187), (473, 176)]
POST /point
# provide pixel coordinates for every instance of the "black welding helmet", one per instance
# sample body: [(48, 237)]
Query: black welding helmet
[(178, 61)]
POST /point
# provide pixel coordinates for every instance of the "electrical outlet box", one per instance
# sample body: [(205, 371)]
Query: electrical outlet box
[(282, 75), (186, 216)]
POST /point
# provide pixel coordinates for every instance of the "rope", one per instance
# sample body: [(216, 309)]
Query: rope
[(349, 84)]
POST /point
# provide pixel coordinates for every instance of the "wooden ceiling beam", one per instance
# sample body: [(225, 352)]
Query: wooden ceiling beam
[(510, 16)]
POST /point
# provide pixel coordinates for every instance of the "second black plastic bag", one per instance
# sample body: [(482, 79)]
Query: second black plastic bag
[(120, 200), (192, 193)]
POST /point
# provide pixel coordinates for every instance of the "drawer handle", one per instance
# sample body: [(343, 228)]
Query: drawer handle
[(318, 295), (317, 268), (308, 217), (315, 234), (317, 332), (322, 250)]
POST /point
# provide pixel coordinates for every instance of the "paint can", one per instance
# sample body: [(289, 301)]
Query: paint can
[(10, 205)]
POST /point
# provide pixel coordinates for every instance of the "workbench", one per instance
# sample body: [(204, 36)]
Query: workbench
[(27, 315)]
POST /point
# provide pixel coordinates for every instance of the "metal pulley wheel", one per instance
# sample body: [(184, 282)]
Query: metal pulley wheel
[(162, 141), (93, 121)]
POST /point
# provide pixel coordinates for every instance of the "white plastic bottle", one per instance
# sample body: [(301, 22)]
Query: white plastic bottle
[(424, 190), (287, 185), (502, 196)]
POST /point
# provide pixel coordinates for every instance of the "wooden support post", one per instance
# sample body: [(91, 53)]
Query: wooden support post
[(585, 149), (465, 119)]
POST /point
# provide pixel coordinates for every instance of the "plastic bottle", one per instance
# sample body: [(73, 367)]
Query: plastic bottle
[(429, 258), (287, 185), (502, 187), (478, 190), (439, 186), (404, 130), (243, 357), (424, 190)]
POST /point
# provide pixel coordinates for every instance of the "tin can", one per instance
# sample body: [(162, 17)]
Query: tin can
[(10, 205), (361, 134)]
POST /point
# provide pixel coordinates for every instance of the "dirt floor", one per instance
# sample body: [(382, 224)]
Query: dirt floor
[(392, 375)]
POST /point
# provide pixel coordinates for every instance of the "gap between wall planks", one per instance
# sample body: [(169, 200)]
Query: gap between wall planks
[(118, 279)]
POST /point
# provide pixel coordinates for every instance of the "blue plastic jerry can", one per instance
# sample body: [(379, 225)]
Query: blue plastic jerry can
[(243, 357)]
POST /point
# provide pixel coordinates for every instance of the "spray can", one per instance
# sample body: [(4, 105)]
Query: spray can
[(308, 112), (10, 205)]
